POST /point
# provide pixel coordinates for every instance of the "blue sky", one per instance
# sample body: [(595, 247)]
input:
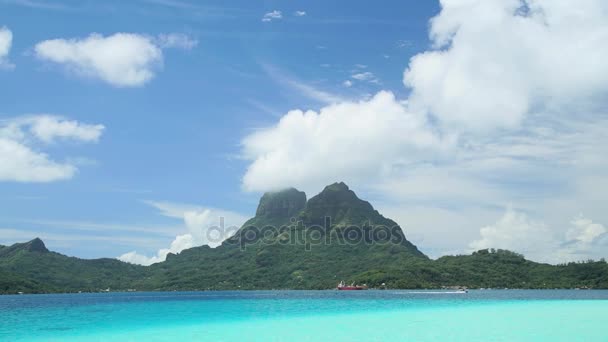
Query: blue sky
[(202, 132)]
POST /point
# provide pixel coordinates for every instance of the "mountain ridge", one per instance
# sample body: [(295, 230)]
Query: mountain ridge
[(294, 243)]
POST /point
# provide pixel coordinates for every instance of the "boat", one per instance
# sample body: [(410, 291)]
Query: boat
[(343, 287)]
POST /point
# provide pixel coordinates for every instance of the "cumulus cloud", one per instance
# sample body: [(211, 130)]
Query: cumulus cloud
[(351, 139), (6, 41), (585, 239), (508, 101), (48, 128), (205, 226), (299, 13), (177, 40), (21, 162), (585, 230), (121, 59), (347, 83), (495, 61), (270, 16), (516, 231)]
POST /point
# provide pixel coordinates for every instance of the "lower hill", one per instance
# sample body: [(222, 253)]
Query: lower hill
[(31, 268), (294, 243)]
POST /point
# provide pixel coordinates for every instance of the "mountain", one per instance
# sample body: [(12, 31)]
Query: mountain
[(31, 267), (295, 243)]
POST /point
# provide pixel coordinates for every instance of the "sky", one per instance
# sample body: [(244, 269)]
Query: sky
[(127, 129)]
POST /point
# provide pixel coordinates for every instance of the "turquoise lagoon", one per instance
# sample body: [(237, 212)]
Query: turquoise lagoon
[(389, 315)]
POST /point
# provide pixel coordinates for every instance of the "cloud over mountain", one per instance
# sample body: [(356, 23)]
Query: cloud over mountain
[(506, 106), (351, 139), (205, 226)]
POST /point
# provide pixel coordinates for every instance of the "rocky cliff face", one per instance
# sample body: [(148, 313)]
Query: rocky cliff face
[(283, 204)]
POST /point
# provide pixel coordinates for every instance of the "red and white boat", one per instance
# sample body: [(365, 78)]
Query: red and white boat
[(351, 287)]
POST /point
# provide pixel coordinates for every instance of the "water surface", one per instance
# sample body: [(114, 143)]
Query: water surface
[(390, 315)]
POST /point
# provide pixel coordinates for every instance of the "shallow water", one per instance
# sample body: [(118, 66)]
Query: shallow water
[(391, 315)]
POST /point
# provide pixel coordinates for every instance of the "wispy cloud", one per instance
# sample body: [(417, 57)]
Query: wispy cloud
[(262, 107), (201, 9), (176, 40), (45, 5), (403, 44), (174, 4), (158, 230), (366, 76), (6, 42), (304, 89), (270, 16), (10, 235), (299, 13)]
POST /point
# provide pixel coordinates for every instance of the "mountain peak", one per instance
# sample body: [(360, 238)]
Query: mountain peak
[(339, 193), (341, 204), (281, 204), (36, 245), (338, 186)]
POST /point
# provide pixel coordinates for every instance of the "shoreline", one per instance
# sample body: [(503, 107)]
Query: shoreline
[(437, 290)]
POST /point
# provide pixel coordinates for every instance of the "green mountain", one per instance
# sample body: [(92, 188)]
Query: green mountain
[(295, 243), (31, 267)]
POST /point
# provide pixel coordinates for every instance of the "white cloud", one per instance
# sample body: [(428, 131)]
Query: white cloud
[(505, 121), (20, 162), (177, 40), (517, 232), (122, 59), (6, 41), (270, 16), (365, 76), (206, 226), (48, 128), (347, 83), (495, 62), (291, 152), (585, 230), (299, 13)]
